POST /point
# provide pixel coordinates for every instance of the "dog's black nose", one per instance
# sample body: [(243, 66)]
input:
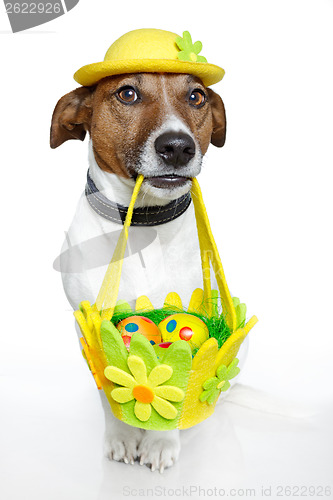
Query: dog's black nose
[(176, 149)]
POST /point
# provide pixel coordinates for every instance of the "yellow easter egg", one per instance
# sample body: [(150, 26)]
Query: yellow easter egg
[(182, 326)]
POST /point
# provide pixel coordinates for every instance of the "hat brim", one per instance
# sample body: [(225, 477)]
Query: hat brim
[(92, 73)]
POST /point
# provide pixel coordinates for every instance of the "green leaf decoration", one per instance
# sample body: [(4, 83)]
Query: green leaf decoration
[(122, 307), (240, 312), (235, 301), (179, 357), (140, 346), (113, 346), (188, 50)]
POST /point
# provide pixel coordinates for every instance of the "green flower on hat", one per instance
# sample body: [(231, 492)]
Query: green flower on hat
[(188, 50), (215, 385)]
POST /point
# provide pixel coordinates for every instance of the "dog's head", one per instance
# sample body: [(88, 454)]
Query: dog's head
[(158, 125)]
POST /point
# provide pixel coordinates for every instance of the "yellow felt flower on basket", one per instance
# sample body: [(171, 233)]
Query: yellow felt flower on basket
[(148, 391)]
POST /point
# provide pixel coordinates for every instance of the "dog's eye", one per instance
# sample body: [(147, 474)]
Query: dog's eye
[(127, 95), (197, 98)]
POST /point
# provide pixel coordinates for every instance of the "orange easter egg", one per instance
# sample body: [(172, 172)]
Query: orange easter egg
[(140, 324)]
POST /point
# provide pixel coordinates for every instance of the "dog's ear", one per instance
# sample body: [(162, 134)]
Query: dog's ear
[(219, 119), (72, 116)]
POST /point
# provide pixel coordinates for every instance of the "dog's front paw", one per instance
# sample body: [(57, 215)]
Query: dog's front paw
[(122, 445), (159, 450)]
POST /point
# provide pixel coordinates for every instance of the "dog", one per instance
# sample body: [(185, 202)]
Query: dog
[(159, 125)]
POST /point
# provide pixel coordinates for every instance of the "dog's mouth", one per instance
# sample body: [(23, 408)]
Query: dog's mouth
[(168, 181)]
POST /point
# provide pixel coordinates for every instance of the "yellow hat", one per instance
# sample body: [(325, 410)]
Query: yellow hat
[(152, 51)]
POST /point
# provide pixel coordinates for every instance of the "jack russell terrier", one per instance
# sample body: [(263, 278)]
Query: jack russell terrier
[(159, 125)]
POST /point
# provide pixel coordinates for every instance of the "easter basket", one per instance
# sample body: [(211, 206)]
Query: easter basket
[(174, 384)]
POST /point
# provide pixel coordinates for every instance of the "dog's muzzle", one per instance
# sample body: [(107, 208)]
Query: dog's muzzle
[(175, 149)]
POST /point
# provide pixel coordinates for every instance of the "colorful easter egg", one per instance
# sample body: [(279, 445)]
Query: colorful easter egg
[(139, 324), (182, 326)]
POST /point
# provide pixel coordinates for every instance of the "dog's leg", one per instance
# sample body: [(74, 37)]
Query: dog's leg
[(121, 440), (159, 449)]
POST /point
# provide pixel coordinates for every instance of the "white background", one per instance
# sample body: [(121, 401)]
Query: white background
[(269, 197)]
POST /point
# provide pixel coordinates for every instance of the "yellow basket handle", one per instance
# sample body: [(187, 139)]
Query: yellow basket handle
[(108, 294), (209, 253)]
